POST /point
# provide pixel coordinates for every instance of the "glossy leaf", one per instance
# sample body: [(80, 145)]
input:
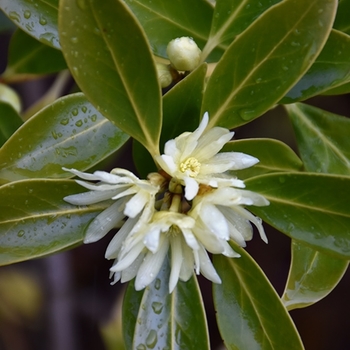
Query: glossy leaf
[(70, 133), (38, 19), (330, 70), (248, 308), (10, 121), (36, 221), (175, 18), (29, 56), (342, 20), (182, 105), (312, 276), (310, 208), (156, 319), (232, 18), (96, 41), (339, 90), (322, 137), (273, 155), (266, 60)]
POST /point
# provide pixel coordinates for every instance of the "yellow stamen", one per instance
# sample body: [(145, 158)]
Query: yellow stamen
[(192, 165)]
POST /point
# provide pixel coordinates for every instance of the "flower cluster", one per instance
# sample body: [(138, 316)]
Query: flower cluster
[(191, 207)]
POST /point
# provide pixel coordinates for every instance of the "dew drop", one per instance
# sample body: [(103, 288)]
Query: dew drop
[(285, 68), (54, 135), (79, 123), (141, 347), (15, 16), (74, 40), (94, 118), (27, 14), (42, 21), (75, 111), (157, 284), (20, 233), (246, 114), (282, 179), (30, 190), (152, 339), (157, 307), (258, 80), (64, 121), (84, 109)]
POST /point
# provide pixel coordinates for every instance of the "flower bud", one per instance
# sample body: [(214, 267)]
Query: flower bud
[(10, 96), (183, 53), (164, 75)]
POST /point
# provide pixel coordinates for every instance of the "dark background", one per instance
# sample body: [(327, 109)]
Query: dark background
[(66, 298)]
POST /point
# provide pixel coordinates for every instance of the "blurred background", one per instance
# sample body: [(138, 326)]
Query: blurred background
[(65, 301)]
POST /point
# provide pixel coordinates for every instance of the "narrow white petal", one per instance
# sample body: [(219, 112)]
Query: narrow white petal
[(101, 186), (115, 244), (211, 143), (151, 265), (134, 206), (129, 258), (129, 273), (255, 220), (191, 188), (90, 197), (82, 175), (187, 266), (253, 198), (215, 221), (167, 164), (206, 267), (103, 223), (190, 238), (176, 262), (151, 240)]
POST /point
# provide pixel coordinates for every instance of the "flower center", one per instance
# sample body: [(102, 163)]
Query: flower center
[(174, 230), (192, 165)]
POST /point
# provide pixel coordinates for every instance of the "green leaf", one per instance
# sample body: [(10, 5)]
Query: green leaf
[(38, 19), (36, 221), (29, 56), (156, 319), (182, 105), (312, 276), (232, 18), (175, 18), (248, 308), (322, 137), (266, 60), (339, 90), (330, 70), (10, 121), (70, 133), (342, 20), (104, 44), (310, 208), (273, 155)]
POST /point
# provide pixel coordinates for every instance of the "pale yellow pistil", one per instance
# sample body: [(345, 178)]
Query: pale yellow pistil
[(192, 165)]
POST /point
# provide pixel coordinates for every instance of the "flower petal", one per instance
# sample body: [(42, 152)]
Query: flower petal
[(104, 222), (191, 188), (176, 262), (206, 267), (90, 197), (151, 265)]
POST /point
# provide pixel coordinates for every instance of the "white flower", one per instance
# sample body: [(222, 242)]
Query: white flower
[(192, 158), (141, 251), (156, 219), (220, 217), (131, 195), (183, 53)]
